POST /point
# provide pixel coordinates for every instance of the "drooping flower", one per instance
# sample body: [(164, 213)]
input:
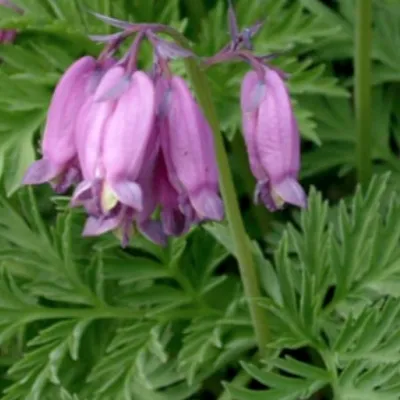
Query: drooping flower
[(272, 139), (89, 137), (59, 163), (114, 140), (126, 140), (188, 150)]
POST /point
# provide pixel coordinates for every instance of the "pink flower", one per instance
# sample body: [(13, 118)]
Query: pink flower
[(272, 138), (59, 163), (188, 150), (114, 147)]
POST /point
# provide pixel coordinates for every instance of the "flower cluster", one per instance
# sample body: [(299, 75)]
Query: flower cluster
[(130, 141), (8, 35), (133, 142)]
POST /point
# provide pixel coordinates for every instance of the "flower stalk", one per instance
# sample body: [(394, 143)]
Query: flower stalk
[(362, 62)]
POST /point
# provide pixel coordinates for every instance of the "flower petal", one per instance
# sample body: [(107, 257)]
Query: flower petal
[(208, 205), (290, 191), (128, 193), (153, 230), (129, 130), (82, 193), (97, 226), (174, 222), (41, 171)]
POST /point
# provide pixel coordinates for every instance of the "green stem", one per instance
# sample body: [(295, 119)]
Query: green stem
[(362, 61)]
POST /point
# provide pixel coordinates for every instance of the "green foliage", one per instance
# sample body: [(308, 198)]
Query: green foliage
[(355, 332), (83, 319)]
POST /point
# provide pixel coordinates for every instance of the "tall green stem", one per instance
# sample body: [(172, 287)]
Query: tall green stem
[(239, 235), (362, 61)]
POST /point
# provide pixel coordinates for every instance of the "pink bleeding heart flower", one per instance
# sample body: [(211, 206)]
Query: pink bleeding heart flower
[(114, 139), (59, 162), (272, 140), (188, 149), (125, 143), (90, 133)]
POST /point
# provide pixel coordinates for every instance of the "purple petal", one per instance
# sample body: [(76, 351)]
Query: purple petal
[(98, 74), (291, 192), (93, 208), (129, 194), (208, 205), (116, 91), (153, 231), (249, 120), (126, 228), (91, 125), (129, 130), (97, 226), (68, 98), (277, 138), (188, 210), (70, 177), (174, 222), (187, 141), (41, 171), (82, 193), (263, 195)]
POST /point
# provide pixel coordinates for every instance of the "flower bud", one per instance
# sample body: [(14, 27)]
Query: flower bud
[(272, 140)]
